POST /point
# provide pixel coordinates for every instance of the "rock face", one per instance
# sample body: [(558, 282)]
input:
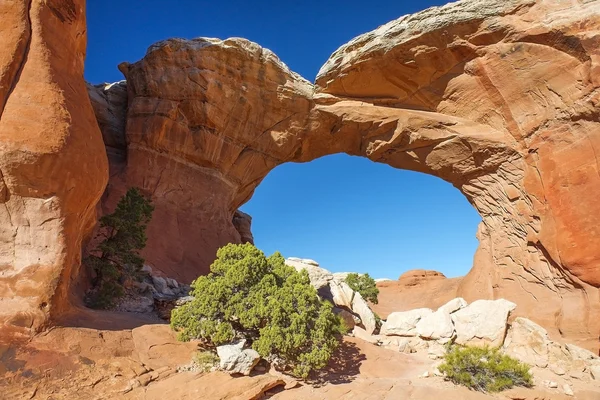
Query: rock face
[(53, 167), (484, 322), (109, 101), (243, 224), (404, 323), (333, 287), (417, 277), (360, 307), (529, 343), (489, 96), (197, 156)]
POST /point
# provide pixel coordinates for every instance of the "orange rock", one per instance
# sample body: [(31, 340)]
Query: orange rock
[(498, 98), (417, 277), (53, 167)]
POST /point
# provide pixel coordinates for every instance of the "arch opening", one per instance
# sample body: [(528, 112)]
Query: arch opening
[(354, 215)]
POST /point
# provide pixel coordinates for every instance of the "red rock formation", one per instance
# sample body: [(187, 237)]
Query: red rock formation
[(197, 157), (243, 224), (415, 290), (53, 168), (417, 277), (500, 99)]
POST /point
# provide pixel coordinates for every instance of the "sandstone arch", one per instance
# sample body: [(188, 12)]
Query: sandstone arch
[(487, 100), (499, 98)]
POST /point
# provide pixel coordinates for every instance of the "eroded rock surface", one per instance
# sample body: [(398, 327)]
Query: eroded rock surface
[(53, 167), (490, 96), (499, 98)]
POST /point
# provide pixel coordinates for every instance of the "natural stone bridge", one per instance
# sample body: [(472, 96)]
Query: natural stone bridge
[(500, 98)]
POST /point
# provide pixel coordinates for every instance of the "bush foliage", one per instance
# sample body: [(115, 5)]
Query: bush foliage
[(205, 360), (271, 305), (365, 285), (484, 369), (117, 258)]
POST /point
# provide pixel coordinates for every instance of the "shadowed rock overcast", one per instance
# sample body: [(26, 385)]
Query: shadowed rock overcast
[(348, 213)]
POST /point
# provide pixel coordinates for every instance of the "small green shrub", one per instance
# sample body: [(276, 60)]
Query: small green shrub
[(205, 360), (117, 258), (484, 369), (247, 295), (365, 285)]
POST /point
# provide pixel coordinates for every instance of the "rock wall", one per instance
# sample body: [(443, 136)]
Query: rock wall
[(53, 168)]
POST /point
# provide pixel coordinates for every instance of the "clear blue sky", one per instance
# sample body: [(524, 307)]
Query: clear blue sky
[(348, 213)]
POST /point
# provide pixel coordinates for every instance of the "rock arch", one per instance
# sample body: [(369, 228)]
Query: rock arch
[(487, 100), (501, 99)]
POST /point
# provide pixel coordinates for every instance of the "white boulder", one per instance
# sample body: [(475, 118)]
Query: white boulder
[(527, 342), (437, 326), (453, 305), (319, 277), (161, 286), (235, 360), (341, 293), (482, 322), (404, 323), (360, 307)]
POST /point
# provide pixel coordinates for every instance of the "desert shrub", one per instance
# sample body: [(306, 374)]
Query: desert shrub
[(116, 258), (484, 369), (272, 306), (365, 285), (205, 360)]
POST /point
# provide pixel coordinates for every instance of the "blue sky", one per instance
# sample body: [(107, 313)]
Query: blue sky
[(348, 213)]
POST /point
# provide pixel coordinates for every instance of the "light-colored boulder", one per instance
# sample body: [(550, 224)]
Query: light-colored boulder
[(360, 307), (139, 304), (453, 305), (580, 354), (404, 323), (310, 262), (527, 342), (568, 391), (235, 360), (360, 333), (319, 277), (172, 283), (483, 322), (595, 372), (147, 269), (437, 325), (341, 293), (162, 286), (159, 283)]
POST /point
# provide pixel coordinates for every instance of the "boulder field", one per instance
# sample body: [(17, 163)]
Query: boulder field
[(499, 98)]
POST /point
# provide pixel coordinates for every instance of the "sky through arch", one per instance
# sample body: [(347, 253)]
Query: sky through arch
[(352, 214)]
